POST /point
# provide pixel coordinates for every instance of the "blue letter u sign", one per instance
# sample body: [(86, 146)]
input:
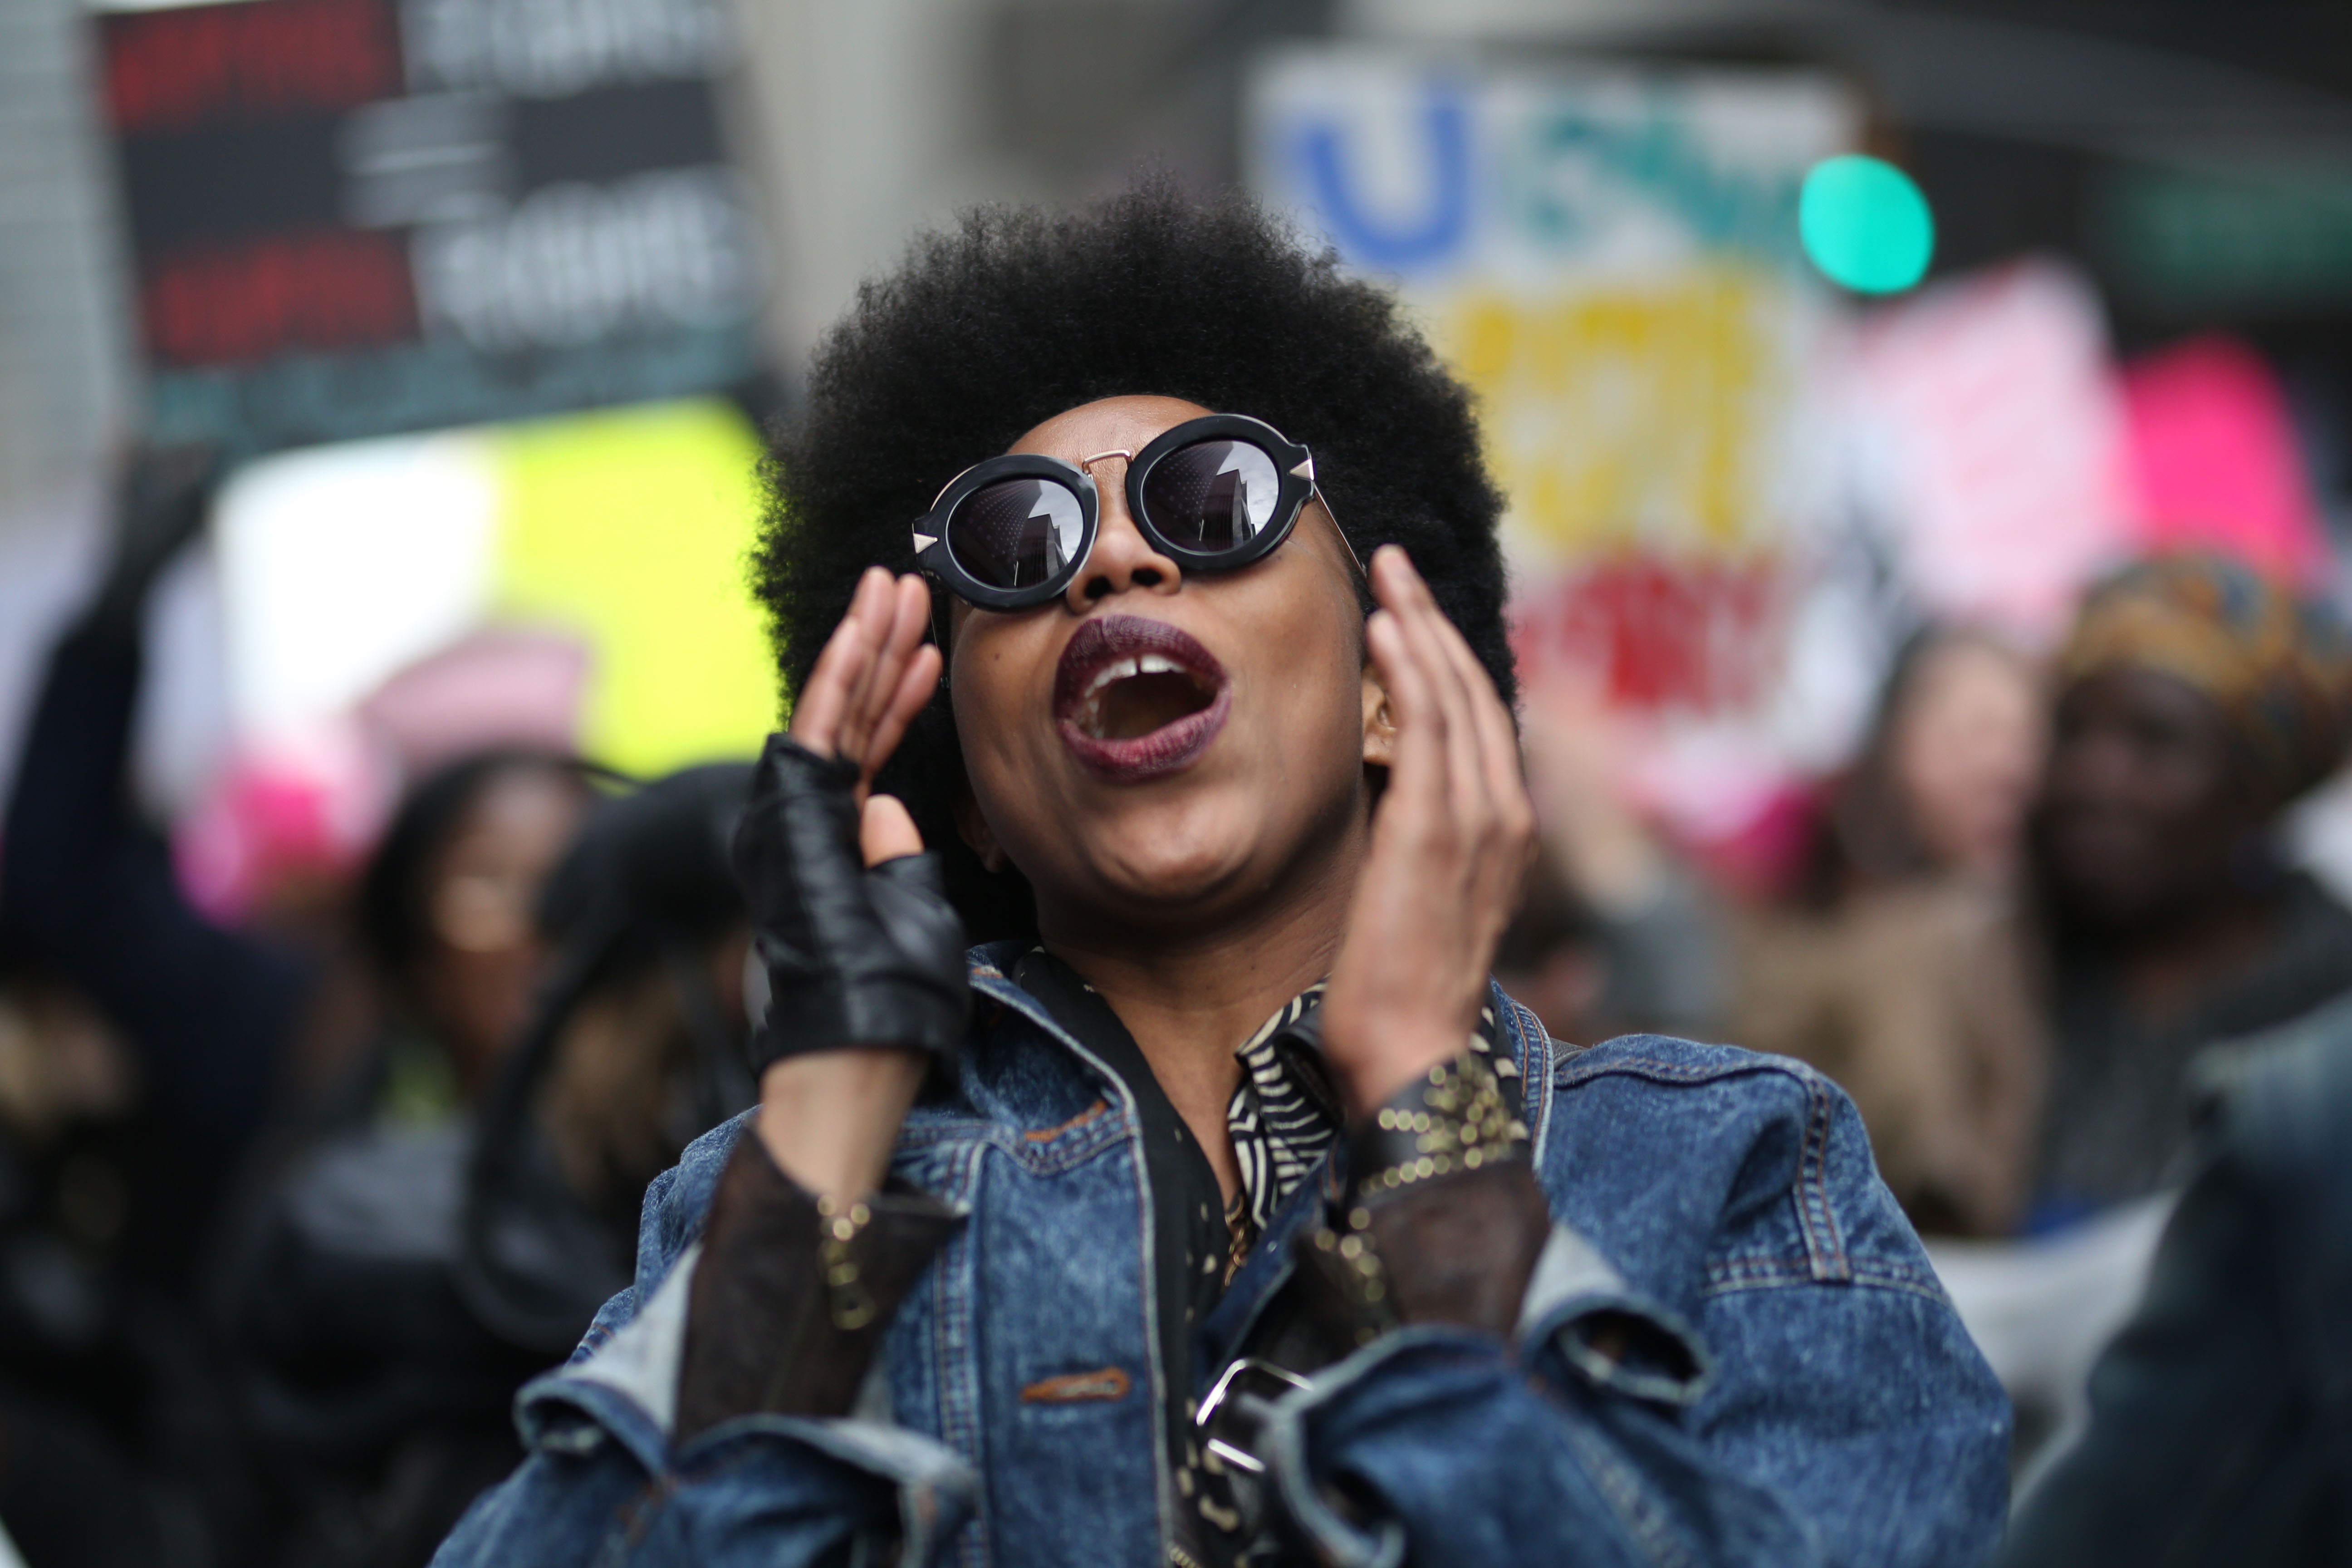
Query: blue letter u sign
[(1445, 134)]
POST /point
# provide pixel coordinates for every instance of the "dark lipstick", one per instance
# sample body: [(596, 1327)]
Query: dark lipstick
[(1110, 649)]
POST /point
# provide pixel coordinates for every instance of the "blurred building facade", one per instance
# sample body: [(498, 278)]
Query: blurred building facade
[(64, 350)]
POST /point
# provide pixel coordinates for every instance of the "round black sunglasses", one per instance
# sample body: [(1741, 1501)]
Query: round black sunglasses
[(1211, 494)]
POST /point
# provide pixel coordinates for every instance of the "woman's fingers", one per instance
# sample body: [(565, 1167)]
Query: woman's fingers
[(1466, 771), (1417, 757), (1477, 813), (824, 698), (916, 683), (876, 606), (862, 676), (1499, 740), (908, 673), (1456, 787), (896, 619), (1447, 852), (885, 831), (817, 707)]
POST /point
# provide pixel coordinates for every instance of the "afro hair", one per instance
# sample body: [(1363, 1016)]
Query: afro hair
[(1018, 314)]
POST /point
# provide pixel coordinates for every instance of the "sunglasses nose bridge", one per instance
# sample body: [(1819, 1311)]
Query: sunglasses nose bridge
[(1108, 498), (1123, 556)]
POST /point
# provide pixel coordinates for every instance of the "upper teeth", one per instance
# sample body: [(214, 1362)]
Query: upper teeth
[(1123, 669)]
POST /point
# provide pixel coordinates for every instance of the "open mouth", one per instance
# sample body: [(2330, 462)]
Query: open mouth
[(1137, 699), (1132, 697)]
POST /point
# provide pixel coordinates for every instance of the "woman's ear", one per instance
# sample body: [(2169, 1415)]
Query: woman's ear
[(973, 829), (1380, 724)]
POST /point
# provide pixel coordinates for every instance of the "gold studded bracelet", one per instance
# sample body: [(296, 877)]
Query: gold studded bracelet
[(848, 1299), (1346, 1282), (1455, 1117)]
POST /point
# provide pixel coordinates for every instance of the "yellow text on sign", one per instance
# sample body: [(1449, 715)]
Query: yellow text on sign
[(1618, 413)]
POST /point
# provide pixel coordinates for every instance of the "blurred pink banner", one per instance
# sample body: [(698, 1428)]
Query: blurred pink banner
[(309, 804), (1997, 437), (2215, 459), (496, 687)]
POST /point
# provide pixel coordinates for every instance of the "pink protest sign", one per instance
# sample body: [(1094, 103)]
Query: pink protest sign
[(1988, 417), (2215, 459)]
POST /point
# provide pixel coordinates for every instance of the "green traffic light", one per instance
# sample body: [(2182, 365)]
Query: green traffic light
[(1865, 225)]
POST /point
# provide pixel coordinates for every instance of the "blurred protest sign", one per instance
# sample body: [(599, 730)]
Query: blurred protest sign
[(572, 581), (1610, 259), (355, 217), (1992, 444), (2216, 460), (2006, 462)]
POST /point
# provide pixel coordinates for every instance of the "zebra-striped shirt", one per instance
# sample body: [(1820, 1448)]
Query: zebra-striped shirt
[(1283, 1117), (1285, 1113)]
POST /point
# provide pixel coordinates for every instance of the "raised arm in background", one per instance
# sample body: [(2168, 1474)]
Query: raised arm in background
[(87, 885)]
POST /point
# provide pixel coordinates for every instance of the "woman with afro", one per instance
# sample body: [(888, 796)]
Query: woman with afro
[(1135, 577)]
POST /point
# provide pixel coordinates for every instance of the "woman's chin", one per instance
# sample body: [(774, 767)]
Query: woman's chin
[(1172, 874)]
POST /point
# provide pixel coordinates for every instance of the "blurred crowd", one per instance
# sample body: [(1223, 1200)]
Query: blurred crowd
[(291, 1206), (2046, 930), (289, 1209), (2041, 888)]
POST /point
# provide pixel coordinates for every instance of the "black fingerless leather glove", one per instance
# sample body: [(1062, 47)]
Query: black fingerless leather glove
[(855, 957)]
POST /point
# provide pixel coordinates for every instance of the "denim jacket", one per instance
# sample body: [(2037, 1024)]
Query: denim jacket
[(1801, 1390)]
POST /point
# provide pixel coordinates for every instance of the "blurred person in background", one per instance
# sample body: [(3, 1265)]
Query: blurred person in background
[(362, 1385), (1896, 968), (2196, 701), (1945, 773), (439, 938), (88, 889), (117, 1439), (448, 910), (446, 1232), (637, 1046), (1617, 934), (2219, 1411), (112, 1431)]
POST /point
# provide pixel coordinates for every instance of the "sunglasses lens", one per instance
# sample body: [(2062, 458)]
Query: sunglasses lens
[(1213, 495), (1016, 534)]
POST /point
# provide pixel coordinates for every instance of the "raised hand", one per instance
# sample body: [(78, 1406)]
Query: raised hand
[(873, 676), (163, 497), (865, 955), (1452, 842)]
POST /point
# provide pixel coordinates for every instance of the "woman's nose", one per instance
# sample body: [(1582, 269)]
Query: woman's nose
[(1122, 559)]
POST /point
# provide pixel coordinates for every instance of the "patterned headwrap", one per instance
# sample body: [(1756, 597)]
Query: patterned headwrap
[(2278, 666)]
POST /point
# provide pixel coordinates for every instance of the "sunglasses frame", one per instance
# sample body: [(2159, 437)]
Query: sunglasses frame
[(1294, 466)]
